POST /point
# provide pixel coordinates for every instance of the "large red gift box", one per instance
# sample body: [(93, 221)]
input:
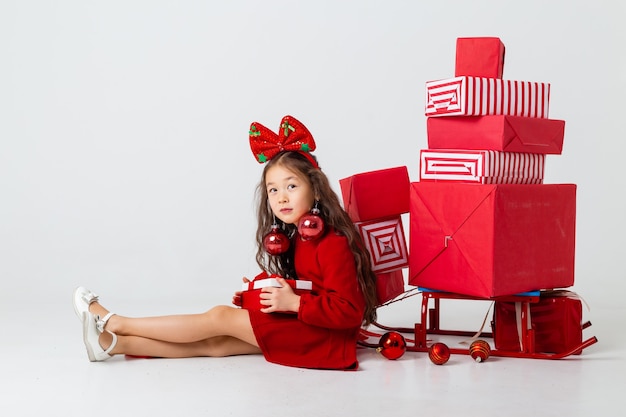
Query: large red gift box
[(479, 57), (251, 291), (477, 96), (389, 285), (492, 240), (385, 241), (556, 320), (497, 132), (482, 167), (376, 194)]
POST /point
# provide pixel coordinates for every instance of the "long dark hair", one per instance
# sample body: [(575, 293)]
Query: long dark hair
[(334, 216)]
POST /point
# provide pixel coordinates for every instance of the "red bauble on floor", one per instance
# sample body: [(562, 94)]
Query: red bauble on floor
[(439, 353), (479, 350), (392, 345)]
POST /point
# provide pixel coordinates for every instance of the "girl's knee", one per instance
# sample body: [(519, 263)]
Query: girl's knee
[(219, 312), (215, 346), (220, 346)]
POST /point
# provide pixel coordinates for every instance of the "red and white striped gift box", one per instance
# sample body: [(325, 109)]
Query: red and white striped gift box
[(476, 96), (481, 166), (386, 243)]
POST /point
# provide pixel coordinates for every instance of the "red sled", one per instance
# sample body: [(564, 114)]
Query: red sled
[(430, 324)]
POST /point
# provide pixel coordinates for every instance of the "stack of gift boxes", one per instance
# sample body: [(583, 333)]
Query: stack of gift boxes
[(376, 201), (482, 222)]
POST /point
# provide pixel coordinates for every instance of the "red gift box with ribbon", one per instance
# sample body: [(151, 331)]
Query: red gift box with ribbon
[(556, 321), (376, 194), (251, 291)]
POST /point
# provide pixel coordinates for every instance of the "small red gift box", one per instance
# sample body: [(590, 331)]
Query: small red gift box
[(556, 320), (376, 194), (492, 240), (250, 297), (389, 285), (479, 57), (482, 167), (386, 243), (476, 96), (499, 133)]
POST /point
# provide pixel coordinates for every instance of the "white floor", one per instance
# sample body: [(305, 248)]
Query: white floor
[(45, 371)]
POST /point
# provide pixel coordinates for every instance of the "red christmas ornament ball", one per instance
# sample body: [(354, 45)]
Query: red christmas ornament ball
[(310, 226), (439, 353), (480, 350), (392, 345), (276, 242)]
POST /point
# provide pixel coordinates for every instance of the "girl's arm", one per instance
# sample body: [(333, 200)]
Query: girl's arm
[(339, 303)]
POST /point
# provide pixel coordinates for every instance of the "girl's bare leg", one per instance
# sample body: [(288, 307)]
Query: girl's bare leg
[(223, 329), (215, 347)]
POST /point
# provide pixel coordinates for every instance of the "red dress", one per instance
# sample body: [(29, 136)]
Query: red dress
[(324, 332)]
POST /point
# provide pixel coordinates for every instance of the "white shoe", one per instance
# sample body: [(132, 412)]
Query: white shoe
[(91, 337), (82, 300)]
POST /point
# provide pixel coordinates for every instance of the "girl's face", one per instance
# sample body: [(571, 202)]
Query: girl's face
[(290, 195)]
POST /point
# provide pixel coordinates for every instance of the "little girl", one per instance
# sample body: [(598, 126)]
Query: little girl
[(316, 329)]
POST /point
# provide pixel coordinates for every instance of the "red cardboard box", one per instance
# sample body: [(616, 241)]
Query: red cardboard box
[(482, 167), (376, 194), (250, 297), (386, 243), (389, 285), (556, 320), (476, 96), (492, 240), (499, 133), (479, 57)]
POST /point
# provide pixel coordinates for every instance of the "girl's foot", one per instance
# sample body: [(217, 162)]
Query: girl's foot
[(102, 315), (82, 299), (94, 318), (86, 301), (92, 336)]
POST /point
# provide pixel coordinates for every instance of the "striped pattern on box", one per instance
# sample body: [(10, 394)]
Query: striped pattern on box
[(386, 243), (482, 166), (476, 96)]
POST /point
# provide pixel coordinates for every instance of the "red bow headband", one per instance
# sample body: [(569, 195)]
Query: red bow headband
[(292, 136)]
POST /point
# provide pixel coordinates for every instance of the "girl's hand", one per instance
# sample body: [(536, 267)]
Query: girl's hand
[(237, 296), (281, 299)]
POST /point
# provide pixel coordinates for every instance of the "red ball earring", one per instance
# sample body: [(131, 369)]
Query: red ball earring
[(311, 225), (276, 242)]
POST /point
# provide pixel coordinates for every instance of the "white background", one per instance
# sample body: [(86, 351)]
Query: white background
[(124, 158)]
